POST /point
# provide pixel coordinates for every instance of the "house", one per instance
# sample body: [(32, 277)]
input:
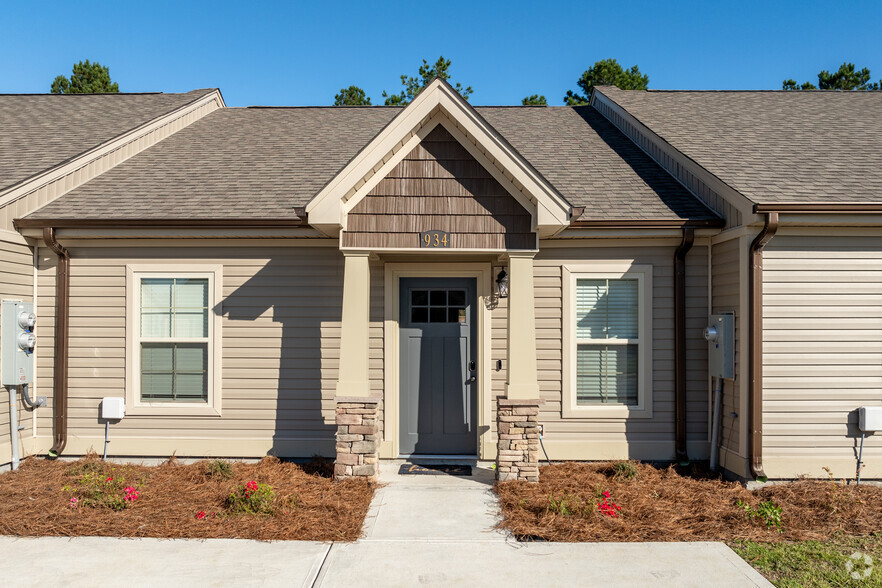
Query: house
[(448, 280)]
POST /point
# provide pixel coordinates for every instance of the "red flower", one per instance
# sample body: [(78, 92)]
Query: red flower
[(109, 480), (200, 514)]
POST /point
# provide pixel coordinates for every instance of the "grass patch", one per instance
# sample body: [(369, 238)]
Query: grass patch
[(269, 500), (816, 563)]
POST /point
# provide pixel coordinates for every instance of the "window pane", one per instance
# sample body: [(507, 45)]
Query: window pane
[(156, 323), (419, 297), (438, 297), (191, 293), (606, 374), (157, 357), (456, 315), (419, 315), (174, 372), (622, 309), (591, 296), (191, 357), (456, 298), (191, 387), (191, 324), (157, 387), (156, 292), (607, 309)]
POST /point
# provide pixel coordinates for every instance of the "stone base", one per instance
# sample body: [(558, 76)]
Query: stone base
[(517, 455), (358, 437)]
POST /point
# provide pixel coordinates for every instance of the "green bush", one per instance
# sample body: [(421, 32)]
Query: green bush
[(624, 470), (219, 469), (252, 498)]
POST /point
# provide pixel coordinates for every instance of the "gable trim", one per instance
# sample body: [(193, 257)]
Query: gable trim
[(327, 210)]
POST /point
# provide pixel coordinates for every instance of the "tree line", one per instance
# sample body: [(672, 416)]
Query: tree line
[(93, 78)]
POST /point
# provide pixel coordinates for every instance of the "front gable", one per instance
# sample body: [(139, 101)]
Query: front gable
[(335, 205), (439, 186)]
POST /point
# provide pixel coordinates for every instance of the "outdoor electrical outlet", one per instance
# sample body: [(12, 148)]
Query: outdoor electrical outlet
[(541, 429), (41, 401)]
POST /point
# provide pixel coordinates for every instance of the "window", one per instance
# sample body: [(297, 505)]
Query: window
[(174, 339), (607, 314)]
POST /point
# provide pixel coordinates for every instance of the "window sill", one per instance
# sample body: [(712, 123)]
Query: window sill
[(173, 410), (606, 412)]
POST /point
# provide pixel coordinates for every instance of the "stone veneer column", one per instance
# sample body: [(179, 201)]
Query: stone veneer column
[(517, 455), (358, 437)]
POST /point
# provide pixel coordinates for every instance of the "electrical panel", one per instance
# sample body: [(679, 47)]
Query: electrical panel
[(720, 335), (17, 343)]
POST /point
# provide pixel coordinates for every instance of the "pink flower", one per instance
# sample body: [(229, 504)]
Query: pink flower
[(73, 502)]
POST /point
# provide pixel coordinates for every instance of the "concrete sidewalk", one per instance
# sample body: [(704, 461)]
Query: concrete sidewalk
[(421, 530)]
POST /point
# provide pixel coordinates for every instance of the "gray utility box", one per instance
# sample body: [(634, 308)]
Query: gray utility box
[(17, 343), (720, 335)]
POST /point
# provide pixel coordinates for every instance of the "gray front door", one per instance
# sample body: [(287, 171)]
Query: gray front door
[(438, 384)]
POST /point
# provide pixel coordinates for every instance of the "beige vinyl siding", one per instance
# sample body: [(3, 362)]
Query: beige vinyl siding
[(16, 283), (822, 356), (728, 277), (280, 329), (601, 438)]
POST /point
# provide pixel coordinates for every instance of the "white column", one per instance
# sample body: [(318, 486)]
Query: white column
[(352, 379), (523, 382)]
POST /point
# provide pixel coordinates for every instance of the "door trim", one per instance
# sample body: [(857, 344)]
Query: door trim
[(393, 273)]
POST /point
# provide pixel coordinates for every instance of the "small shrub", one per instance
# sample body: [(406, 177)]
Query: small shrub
[(624, 470), (219, 469), (93, 487), (252, 498), (767, 511), (565, 505)]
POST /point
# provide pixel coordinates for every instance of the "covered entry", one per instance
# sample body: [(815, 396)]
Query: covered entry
[(438, 367)]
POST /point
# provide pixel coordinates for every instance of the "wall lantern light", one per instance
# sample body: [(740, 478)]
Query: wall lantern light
[(502, 283)]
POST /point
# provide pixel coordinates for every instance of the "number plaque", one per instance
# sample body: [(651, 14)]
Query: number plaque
[(435, 239)]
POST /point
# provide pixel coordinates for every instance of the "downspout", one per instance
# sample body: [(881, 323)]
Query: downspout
[(755, 305), (62, 321), (680, 342)]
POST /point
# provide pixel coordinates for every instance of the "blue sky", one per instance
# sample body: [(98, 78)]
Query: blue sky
[(302, 53)]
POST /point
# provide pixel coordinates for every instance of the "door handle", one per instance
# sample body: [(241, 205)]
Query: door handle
[(471, 380)]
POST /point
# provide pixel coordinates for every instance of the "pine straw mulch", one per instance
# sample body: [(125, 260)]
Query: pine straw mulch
[(36, 501), (663, 504)]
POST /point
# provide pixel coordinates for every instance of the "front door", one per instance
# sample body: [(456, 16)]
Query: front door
[(438, 377)]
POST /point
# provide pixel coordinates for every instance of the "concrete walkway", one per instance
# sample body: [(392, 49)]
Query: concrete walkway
[(421, 530)]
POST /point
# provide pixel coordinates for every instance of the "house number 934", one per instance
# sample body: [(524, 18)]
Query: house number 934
[(435, 239)]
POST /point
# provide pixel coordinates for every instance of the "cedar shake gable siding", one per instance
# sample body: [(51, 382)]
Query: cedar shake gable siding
[(439, 186)]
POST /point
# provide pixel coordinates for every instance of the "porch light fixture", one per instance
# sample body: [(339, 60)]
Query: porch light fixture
[(502, 283)]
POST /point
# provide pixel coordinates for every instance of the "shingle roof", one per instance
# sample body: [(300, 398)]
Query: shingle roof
[(42, 131), (261, 163), (773, 147)]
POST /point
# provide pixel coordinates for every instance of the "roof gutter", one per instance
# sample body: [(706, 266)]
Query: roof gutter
[(647, 223), (103, 223), (755, 305), (62, 323), (680, 342), (817, 208)]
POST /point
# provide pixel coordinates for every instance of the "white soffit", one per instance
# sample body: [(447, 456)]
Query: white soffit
[(437, 104)]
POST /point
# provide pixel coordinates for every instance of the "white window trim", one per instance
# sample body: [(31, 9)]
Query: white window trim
[(603, 270), (134, 273)]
